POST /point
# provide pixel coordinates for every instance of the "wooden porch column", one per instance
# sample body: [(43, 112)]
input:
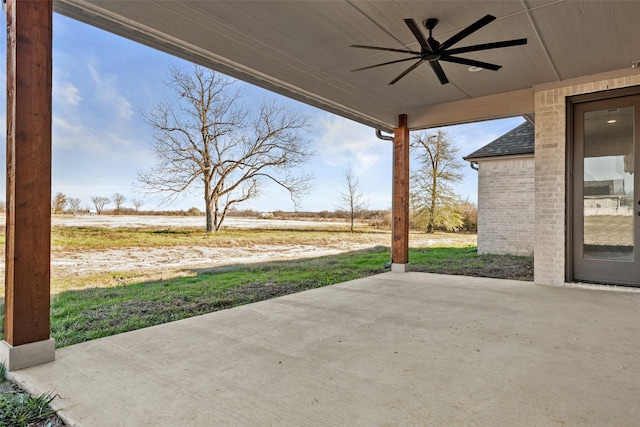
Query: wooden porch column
[(400, 207), (28, 229)]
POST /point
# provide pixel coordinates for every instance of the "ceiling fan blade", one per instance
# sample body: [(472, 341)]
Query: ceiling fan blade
[(466, 32), (437, 68), (418, 34), (470, 62), (405, 72), (486, 46), (386, 49), (384, 63)]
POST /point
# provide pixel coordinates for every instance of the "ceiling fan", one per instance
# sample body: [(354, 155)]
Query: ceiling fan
[(432, 51)]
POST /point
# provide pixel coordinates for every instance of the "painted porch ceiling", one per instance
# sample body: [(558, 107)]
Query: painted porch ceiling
[(301, 49)]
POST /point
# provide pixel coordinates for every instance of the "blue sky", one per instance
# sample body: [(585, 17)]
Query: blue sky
[(102, 84)]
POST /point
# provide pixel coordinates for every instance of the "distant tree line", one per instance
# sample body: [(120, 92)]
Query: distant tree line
[(63, 204), (380, 218)]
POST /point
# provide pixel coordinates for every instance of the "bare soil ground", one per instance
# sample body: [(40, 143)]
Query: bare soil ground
[(496, 266), (69, 262)]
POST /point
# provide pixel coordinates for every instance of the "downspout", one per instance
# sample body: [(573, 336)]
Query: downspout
[(385, 138), (531, 118), (474, 165)]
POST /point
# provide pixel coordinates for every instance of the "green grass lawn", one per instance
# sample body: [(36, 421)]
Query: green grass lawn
[(18, 409), (82, 315)]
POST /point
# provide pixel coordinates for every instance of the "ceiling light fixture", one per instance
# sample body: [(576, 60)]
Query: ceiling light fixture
[(612, 121), (474, 69)]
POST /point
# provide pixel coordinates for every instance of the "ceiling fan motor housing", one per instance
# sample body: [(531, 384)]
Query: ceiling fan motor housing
[(430, 23)]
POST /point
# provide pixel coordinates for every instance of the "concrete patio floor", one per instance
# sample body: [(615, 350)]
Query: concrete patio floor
[(392, 349)]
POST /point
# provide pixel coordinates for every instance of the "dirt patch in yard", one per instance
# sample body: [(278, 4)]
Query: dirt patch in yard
[(68, 263), (495, 266), (167, 261)]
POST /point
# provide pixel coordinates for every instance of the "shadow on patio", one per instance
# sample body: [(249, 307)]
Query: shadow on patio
[(391, 349)]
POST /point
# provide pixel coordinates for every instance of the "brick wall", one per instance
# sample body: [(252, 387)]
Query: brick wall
[(550, 170), (506, 206)]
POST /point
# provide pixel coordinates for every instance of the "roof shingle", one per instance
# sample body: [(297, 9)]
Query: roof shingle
[(517, 141)]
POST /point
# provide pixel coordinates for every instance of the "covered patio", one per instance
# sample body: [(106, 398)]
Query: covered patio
[(392, 349), (401, 349)]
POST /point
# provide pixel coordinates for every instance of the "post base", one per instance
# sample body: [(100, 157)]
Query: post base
[(400, 268), (27, 355)]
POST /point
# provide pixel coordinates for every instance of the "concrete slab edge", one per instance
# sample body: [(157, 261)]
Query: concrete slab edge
[(27, 355), (57, 404)]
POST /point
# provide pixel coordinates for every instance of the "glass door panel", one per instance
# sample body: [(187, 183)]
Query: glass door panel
[(608, 184)]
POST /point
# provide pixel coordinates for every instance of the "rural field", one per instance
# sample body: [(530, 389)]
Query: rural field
[(86, 250)]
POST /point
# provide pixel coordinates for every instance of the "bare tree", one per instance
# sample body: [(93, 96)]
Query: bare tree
[(74, 205), (59, 203), (99, 203), (137, 204), (208, 141), (352, 200), (433, 201), (118, 199)]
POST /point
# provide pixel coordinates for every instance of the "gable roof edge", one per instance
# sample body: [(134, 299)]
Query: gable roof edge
[(518, 141)]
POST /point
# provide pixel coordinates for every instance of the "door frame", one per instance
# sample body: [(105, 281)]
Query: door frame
[(569, 154)]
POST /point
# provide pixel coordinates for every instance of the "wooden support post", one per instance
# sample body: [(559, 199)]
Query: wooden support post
[(28, 229), (400, 207)]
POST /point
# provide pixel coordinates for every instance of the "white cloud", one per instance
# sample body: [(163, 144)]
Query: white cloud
[(107, 92), (343, 142), (116, 145), (100, 126), (67, 93)]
